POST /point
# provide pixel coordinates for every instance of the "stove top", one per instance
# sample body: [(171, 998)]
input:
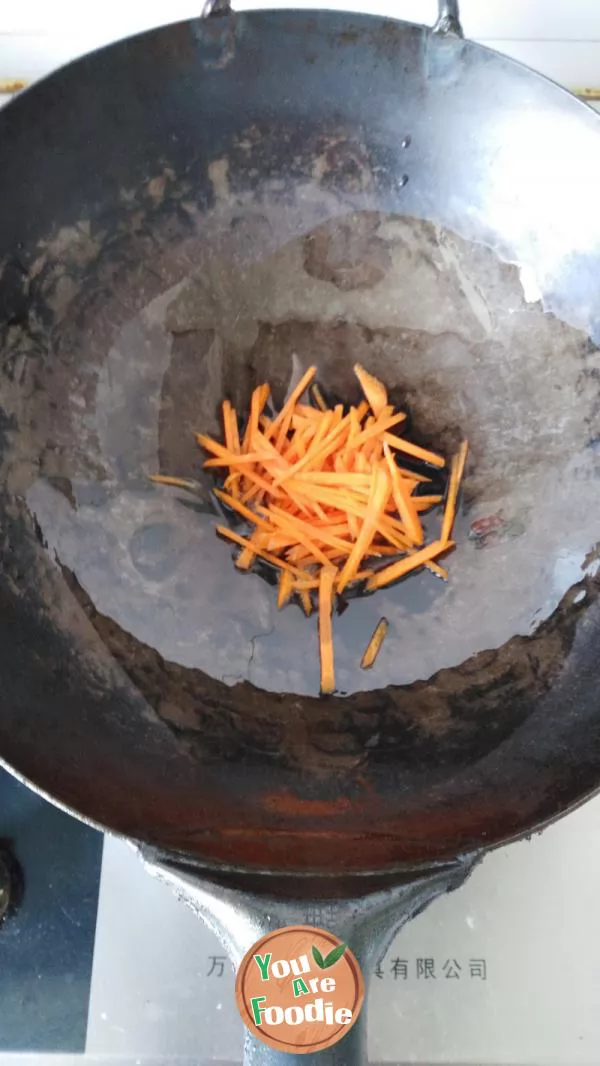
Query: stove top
[(100, 963)]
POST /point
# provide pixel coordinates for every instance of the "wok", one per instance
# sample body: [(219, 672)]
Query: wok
[(220, 202)]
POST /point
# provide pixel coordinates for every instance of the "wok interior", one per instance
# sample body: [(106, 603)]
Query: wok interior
[(137, 655), (446, 326)]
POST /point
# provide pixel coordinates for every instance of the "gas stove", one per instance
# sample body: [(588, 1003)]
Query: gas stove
[(99, 963)]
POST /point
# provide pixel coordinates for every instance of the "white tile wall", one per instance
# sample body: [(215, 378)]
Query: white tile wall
[(559, 37)]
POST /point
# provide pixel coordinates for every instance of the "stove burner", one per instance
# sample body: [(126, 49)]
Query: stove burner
[(11, 882)]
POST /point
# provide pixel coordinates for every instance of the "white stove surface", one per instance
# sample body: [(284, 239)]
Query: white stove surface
[(515, 954)]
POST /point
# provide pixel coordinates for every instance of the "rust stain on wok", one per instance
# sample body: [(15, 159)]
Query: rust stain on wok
[(288, 802)]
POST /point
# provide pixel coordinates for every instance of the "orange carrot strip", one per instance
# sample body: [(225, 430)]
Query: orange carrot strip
[(304, 534), (328, 477), (286, 587), (241, 508), (373, 647), (378, 428), (363, 575), (317, 397), (230, 428), (415, 450), (457, 470), (403, 501), (224, 531), (327, 581), (315, 454), (435, 568), (291, 401), (353, 526), (399, 540), (423, 503), (229, 457), (404, 566), (270, 456), (245, 558), (375, 507), (324, 534), (336, 498), (259, 398), (259, 483), (307, 412), (306, 601), (186, 483), (374, 391)]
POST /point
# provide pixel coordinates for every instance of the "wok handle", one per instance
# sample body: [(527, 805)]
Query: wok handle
[(448, 22), (367, 923)]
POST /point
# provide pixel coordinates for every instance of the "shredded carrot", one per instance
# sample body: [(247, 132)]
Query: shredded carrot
[(289, 405), (323, 494), (375, 393), (186, 483), (317, 397), (376, 505), (456, 474), (415, 450), (246, 558), (223, 531), (405, 505), (286, 587), (328, 575), (410, 562), (306, 601), (373, 647)]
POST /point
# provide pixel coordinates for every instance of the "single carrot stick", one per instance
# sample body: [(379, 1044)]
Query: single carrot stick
[(423, 503), (439, 571), (286, 587), (403, 501), (327, 581), (415, 450), (246, 558), (373, 647), (456, 474), (231, 434), (404, 566), (186, 483), (375, 507), (317, 397), (259, 398), (374, 391), (305, 600)]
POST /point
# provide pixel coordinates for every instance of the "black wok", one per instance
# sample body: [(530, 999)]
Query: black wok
[(200, 208)]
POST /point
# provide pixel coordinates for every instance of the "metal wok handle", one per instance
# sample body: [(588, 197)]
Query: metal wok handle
[(448, 22), (367, 923)]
